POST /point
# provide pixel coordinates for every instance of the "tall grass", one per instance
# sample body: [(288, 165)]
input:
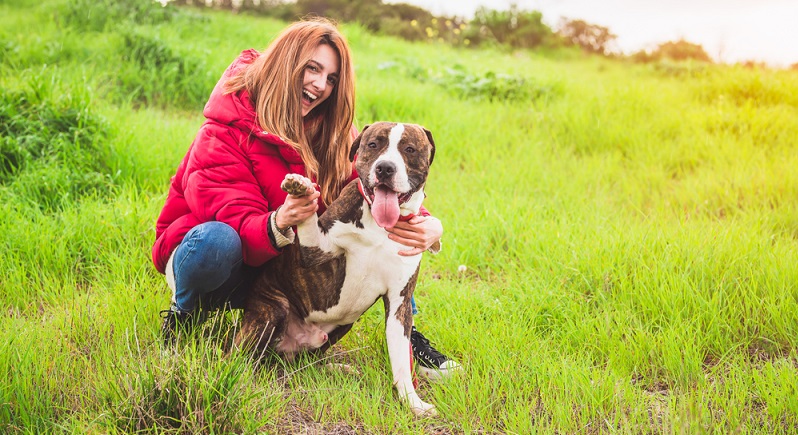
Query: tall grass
[(628, 234)]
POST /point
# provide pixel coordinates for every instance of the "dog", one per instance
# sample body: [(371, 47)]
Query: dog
[(342, 262)]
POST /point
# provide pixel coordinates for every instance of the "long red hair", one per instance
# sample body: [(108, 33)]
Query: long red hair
[(274, 82)]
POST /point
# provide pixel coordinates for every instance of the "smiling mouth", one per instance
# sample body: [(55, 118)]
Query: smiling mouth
[(385, 204), (308, 97), (402, 197)]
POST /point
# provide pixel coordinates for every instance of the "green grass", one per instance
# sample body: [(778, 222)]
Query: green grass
[(629, 234)]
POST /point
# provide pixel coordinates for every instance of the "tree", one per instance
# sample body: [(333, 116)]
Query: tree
[(513, 27), (592, 38), (681, 50), (405, 21), (366, 12), (407, 12)]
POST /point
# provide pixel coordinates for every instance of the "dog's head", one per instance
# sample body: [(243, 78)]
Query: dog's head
[(393, 161)]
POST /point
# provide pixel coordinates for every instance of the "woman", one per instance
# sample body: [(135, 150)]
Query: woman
[(286, 110)]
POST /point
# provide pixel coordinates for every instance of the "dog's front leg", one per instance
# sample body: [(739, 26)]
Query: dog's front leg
[(315, 247), (398, 322)]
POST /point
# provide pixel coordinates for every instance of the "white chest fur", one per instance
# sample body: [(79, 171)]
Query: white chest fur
[(373, 267)]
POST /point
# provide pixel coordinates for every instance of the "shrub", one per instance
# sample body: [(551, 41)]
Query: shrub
[(685, 69), (490, 86), (513, 27), (51, 151), (590, 37), (680, 50), (406, 21), (368, 13), (154, 74), (96, 15)]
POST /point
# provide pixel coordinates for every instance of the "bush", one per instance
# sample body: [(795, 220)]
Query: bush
[(51, 151), (590, 37), (490, 86), (514, 27), (154, 74), (680, 50), (368, 13), (96, 15)]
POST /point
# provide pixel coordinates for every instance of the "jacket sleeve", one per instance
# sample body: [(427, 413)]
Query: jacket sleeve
[(220, 185)]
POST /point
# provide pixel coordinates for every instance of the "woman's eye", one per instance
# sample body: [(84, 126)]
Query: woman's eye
[(331, 81)]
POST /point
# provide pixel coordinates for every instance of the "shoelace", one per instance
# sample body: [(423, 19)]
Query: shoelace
[(432, 354)]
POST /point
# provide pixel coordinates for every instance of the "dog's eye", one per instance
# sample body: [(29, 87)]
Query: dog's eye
[(372, 145), (410, 150)]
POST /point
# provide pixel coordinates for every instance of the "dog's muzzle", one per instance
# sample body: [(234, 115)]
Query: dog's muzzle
[(384, 171)]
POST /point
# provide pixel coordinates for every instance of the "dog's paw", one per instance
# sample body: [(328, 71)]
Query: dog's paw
[(344, 368), (297, 185), (425, 410), (419, 407)]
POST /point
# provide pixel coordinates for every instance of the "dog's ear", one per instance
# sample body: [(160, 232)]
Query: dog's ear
[(356, 145), (431, 142)]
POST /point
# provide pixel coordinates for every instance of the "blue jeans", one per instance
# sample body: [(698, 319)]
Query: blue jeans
[(209, 269), (210, 272)]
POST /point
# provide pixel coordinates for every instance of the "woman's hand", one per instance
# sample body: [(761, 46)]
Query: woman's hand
[(296, 209), (419, 233)]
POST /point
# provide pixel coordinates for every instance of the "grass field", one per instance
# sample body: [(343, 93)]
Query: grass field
[(629, 233)]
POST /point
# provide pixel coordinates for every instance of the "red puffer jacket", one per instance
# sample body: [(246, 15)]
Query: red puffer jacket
[(231, 173)]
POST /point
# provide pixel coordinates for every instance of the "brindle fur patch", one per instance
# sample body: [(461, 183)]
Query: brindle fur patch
[(346, 209), (264, 320), (405, 312), (417, 163), (313, 256), (282, 283)]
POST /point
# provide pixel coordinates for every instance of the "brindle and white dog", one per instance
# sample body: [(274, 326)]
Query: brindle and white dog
[(309, 296)]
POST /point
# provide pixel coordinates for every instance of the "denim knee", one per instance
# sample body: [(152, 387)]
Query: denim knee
[(204, 260)]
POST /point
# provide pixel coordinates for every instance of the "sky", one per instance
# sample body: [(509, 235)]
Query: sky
[(729, 30)]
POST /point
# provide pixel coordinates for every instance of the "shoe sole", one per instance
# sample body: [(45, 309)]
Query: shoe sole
[(438, 374)]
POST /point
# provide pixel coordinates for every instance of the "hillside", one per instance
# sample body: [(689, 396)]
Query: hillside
[(628, 234)]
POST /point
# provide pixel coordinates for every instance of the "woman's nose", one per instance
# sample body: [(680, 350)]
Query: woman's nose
[(320, 82)]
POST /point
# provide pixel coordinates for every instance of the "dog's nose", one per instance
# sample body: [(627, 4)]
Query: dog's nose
[(385, 170)]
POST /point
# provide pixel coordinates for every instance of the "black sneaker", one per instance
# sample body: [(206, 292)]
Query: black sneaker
[(174, 323), (431, 363)]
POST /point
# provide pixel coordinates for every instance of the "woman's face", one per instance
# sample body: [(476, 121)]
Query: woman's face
[(321, 76)]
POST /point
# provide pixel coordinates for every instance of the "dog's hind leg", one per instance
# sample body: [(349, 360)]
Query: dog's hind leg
[(263, 324), (300, 336)]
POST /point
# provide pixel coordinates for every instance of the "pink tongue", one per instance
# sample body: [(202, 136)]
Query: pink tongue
[(385, 207)]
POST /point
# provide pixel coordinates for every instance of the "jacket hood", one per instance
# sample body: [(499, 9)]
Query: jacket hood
[(236, 109)]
